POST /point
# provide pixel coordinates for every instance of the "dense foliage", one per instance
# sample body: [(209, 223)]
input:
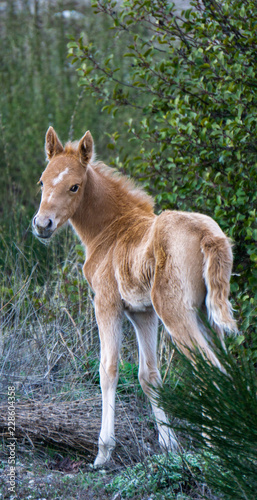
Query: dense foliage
[(190, 85)]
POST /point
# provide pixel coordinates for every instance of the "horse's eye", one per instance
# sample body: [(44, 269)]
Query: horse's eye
[(40, 183), (74, 188)]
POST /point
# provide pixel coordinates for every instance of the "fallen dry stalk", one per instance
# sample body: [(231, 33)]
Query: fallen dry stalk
[(75, 424)]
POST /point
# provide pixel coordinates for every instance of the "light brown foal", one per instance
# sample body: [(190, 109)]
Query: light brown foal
[(138, 264)]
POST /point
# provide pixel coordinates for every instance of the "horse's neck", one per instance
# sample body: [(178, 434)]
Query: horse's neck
[(97, 210)]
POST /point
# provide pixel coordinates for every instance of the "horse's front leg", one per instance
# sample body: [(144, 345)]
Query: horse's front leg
[(109, 319)]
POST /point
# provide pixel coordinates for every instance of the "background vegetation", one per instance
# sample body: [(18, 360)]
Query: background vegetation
[(170, 100)]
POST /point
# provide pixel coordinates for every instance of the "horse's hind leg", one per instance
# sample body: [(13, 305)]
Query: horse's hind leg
[(175, 309), (146, 327)]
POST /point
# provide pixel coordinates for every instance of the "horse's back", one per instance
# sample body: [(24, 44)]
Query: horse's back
[(186, 224), (163, 252)]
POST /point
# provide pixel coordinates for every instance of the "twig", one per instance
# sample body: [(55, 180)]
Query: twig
[(77, 329), (168, 367), (9, 301), (68, 349)]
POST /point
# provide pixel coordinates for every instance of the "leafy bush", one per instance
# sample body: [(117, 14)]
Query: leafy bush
[(191, 81)]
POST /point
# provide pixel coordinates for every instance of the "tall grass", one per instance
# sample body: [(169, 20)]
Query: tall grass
[(47, 321)]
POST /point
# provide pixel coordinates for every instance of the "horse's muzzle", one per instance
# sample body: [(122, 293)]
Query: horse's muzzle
[(42, 227)]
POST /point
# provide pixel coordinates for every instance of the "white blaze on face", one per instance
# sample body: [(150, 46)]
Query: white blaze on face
[(60, 176)]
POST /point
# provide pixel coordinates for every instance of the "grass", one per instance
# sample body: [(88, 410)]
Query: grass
[(46, 307)]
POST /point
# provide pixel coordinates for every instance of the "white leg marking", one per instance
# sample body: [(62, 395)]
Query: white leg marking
[(106, 442), (110, 336)]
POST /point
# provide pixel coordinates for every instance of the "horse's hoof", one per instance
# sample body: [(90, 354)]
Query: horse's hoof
[(102, 458)]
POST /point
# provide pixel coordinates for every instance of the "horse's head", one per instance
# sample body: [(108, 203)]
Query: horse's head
[(62, 182)]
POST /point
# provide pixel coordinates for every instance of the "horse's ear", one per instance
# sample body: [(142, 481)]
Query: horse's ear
[(86, 148), (53, 145)]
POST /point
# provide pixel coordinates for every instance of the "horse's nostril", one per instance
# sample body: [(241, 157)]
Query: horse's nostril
[(49, 224), (34, 220)]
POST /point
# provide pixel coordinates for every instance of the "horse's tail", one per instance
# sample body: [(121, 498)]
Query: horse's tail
[(218, 260)]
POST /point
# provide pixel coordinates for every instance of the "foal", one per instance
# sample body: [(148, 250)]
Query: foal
[(138, 264)]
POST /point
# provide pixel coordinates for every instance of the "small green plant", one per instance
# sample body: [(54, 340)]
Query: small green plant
[(173, 476), (128, 378)]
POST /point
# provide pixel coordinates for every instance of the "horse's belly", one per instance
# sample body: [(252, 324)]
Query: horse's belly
[(135, 303), (135, 290)]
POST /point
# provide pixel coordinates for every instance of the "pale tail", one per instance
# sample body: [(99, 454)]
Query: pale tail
[(218, 261)]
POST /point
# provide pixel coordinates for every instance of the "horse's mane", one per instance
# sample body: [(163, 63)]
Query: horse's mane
[(123, 184)]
